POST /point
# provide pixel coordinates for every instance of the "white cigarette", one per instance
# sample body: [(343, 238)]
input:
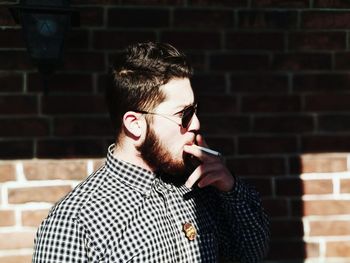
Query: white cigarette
[(209, 151)]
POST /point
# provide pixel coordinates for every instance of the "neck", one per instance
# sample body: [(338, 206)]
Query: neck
[(131, 155)]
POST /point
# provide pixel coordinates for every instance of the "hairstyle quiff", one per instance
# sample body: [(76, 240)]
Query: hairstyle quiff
[(138, 73)]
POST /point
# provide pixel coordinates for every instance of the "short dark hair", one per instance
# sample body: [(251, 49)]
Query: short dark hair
[(138, 73)]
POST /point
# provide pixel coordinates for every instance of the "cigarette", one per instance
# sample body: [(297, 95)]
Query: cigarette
[(209, 151)]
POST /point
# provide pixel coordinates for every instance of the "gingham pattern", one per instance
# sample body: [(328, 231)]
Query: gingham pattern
[(123, 213)]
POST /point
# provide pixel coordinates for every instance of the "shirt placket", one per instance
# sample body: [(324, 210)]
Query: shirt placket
[(166, 192)]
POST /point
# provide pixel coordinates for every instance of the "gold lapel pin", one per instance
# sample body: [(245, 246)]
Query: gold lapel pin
[(190, 231)]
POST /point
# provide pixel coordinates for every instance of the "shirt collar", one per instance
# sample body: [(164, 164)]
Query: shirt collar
[(132, 175)]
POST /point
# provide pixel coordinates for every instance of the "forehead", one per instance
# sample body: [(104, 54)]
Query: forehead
[(178, 94)]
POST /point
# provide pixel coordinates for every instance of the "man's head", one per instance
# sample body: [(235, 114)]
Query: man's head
[(139, 72), (152, 105)]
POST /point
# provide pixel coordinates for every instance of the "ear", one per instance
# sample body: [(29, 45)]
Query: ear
[(133, 124)]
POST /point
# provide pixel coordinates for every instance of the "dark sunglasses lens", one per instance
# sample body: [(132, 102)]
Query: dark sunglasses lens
[(187, 116)]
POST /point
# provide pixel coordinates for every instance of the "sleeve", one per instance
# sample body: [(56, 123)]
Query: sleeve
[(243, 224), (61, 239)]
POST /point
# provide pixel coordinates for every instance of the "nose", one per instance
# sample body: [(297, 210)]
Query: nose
[(195, 123)]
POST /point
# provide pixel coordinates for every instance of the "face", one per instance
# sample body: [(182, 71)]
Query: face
[(165, 139)]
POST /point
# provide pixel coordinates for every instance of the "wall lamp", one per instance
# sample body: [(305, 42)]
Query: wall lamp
[(44, 26)]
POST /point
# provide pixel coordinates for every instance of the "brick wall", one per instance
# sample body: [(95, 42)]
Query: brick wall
[(273, 83)]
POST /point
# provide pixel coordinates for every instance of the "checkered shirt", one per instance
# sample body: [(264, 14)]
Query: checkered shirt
[(124, 213)]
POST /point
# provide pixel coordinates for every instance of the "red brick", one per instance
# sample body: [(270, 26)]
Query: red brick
[(331, 4), (262, 185), (276, 207), (294, 164), (261, 19), (345, 186), (138, 17), (226, 146), (223, 125), (217, 104), (91, 16), (25, 104), (281, 3), (55, 170), (203, 18), (317, 41), (286, 249), (325, 19), (82, 127), (24, 127), (116, 39), (17, 240), (327, 103), (50, 194), (152, 2), (208, 83), (326, 207), (338, 249), (321, 83), (11, 38), (104, 80), (239, 62), (61, 83), (16, 259), (305, 61), (98, 163), (334, 123), (259, 83), (287, 228), (319, 143), (74, 104), (312, 249), (329, 228), (7, 218), (227, 3), (323, 163), (289, 187), (283, 124), (84, 61), (5, 17), (266, 145), (11, 82), (198, 60), (18, 149), (341, 61), (7, 172), (255, 41), (73, 148), (33, 218), (313, 187), (274, 103), (15, 60), (297, 208), (192, 40), (257, 166), (78, 39), (93, 2)]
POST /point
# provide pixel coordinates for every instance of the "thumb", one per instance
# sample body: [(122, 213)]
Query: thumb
[(200, 140)]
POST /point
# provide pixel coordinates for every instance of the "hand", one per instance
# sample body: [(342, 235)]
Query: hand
[(211, 172)]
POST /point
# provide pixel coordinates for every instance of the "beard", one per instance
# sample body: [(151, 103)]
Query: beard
[(167, 167)]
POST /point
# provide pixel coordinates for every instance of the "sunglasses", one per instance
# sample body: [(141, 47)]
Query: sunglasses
[(186, 115)]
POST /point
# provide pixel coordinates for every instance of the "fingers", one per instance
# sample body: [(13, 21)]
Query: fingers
[(201, 172)]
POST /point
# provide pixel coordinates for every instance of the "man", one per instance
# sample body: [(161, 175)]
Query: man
[(159, 197)]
